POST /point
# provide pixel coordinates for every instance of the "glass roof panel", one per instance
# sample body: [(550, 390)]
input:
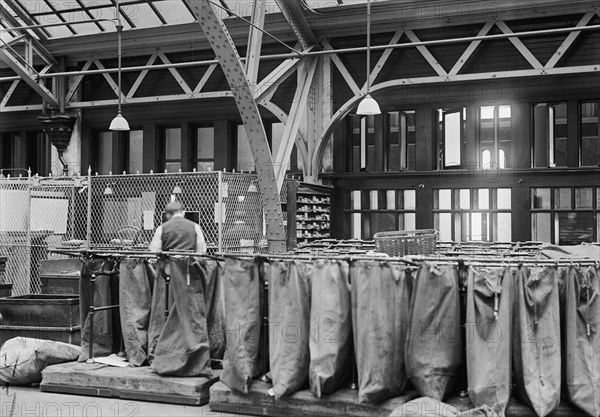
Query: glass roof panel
[(4, 35), (58, 31), (174, 11), (86, 28), (141, 15), (244, 7)]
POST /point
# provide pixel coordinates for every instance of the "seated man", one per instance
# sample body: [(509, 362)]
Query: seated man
[(178, 233)]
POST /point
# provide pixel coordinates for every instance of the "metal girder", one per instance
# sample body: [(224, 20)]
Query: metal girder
[(296, 115), (140, 77), (383, 59), (342, 68), (205, 78), (426, 54), (27, 19), (27, 73), (151, 99), (560, 52), (301, 141), (9, 93), (14, 24), (182, 83), (233, 68), (255, 36), (470, 49), (269, 84), (518, 43), (293, 13)]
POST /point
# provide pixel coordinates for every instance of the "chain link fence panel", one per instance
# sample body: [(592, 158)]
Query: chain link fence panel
[(127, 209), (37, 214), (120, 212)]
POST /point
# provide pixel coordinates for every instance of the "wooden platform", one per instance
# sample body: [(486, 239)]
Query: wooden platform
[(127, 383), (342, 403)]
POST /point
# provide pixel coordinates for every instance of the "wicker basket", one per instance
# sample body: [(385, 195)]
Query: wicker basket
[(407, 242)]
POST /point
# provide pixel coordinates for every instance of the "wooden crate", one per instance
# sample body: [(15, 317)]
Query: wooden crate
[(342, 403), (130, 383)]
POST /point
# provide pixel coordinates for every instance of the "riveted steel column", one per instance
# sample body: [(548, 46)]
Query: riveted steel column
[(230, 61)]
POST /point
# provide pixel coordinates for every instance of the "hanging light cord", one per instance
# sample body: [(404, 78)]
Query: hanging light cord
[(119, 26), (368, 46)]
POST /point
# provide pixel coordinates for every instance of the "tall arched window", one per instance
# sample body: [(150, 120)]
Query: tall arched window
[(502, 158), (486, 159), (495, 134)]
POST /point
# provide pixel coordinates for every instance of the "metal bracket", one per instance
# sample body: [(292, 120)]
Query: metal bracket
[(234, 71)]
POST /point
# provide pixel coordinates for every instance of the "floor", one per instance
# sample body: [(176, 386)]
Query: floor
[(31, 402)]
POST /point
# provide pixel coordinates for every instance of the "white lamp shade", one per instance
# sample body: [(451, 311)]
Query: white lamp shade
[(119, 123), (368, 106)]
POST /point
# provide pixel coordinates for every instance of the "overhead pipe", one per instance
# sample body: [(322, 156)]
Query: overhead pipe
[(323, 52)]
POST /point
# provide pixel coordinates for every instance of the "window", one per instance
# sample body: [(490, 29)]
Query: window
[(495, 136), (565, 215), (104, 153), (172, 149), (550, 135), (450, 132), (204, 145), (590, 142), (363, 142), (18, 154), (479, 214), (9, 152), (401, 141), (382, 143), (375, 211), (295, 164)]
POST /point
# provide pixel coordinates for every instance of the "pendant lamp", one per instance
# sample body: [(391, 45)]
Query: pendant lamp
[(119, 123), (368, 106)]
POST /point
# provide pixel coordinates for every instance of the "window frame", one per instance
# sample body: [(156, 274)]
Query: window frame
[(553, 211), (455, 210), (366, 211), (162, 143), (440, 124), (580, 123), (495, 160), (194, 146)]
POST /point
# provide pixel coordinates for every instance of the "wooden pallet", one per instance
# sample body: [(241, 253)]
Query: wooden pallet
[(342, 403), (130, 383)]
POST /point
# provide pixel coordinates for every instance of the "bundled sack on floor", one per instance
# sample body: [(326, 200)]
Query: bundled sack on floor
[(107, 334), (242, 292), (537, 341), (583, 251), (434, 345), (428, 407), (582, 338), (289, 325), (136, 279), (331, 313), (23, 359), (488, 336), (380, 310), (182, 348)]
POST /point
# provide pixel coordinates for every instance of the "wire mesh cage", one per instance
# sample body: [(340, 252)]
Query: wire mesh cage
[(37, 214), (120, 211), (125, 210)]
